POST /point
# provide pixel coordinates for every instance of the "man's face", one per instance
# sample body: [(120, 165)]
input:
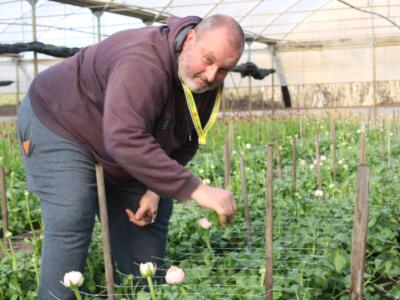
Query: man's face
[(204, 62)]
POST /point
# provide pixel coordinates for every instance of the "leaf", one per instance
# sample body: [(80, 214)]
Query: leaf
[(339, 261)]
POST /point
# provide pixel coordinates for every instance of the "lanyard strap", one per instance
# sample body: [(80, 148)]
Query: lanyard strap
[(202, 133)]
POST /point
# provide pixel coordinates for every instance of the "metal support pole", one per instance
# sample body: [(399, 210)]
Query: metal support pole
[(98, 13), (34, 35)]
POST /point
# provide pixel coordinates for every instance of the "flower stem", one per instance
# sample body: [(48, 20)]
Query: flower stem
[(76, 292), (152, 293), (207, 241)]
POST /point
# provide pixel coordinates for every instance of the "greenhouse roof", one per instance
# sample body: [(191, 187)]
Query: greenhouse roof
[(290, 23)]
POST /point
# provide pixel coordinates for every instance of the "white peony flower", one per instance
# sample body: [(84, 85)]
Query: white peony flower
[(331, 186), (204, 223), (318, 193), (303, 162), (147, 269), (174, 275), (73, 279), (206, 181), (340, 162), (323, 158), (248, 146)]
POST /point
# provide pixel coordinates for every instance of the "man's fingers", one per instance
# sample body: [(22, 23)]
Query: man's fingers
[(132, 218), (222, 220)]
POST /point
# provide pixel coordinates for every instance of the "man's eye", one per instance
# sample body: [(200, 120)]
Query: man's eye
[(207, 60)]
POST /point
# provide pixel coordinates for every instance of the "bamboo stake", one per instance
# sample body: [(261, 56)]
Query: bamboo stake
[(4, 212), (268, 226), (246, 204), (359, 239), (294, 164), (105, 232)]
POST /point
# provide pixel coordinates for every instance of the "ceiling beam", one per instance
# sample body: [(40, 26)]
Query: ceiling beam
[(146, 15)]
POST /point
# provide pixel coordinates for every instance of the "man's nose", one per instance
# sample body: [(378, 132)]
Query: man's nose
[(211, 73)]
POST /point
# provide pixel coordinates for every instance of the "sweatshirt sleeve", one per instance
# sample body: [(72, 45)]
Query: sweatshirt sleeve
[(133, 101)]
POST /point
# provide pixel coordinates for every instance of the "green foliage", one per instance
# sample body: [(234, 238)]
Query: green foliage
[(312, 235)]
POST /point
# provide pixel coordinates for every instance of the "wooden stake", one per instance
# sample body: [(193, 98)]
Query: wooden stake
[(294, 164), (333, 139), (318, 164), (389, 147), (105, 232), (278, 161), (359, 238), (227, 165), (382, 129), (230, 137), (363, 157), (246, 205), (268, 226), (4, 212)]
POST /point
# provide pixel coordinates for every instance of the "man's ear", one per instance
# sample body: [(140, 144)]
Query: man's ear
[(190, 38)]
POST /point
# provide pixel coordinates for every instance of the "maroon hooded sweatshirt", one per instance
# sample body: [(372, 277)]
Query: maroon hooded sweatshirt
[(122, 99)]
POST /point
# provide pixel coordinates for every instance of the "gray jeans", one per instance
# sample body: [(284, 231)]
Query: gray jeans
[(62, 174)]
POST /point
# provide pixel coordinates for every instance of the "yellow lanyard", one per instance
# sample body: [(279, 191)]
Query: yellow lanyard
[(202, 133)]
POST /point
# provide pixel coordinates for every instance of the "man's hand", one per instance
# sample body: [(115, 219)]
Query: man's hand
[(147, 211), (219, 200)]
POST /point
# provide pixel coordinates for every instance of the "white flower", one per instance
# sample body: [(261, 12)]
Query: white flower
[(204, 223), (391, 133), (311, 166), (174, 275), (73, 279), (212, 166), (8, 234), (248, 146), (147, 269), (331, 186), (234, 152), (323, 158), (303, 162), (340, 162), (345, 166), (239, 137), (318, 193), (206, 181), (201, 171), (26, 193)]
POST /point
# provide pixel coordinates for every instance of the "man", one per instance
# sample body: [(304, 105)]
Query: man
[(124, 103)]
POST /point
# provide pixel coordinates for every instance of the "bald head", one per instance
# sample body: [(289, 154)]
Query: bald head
[(209, 52), (234, 33)]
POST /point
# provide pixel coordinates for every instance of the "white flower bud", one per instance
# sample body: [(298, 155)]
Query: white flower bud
[(204, 223), (248, 146), (147, 269), (206, 181), (318, 193), (73, 279), (174, 275)]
